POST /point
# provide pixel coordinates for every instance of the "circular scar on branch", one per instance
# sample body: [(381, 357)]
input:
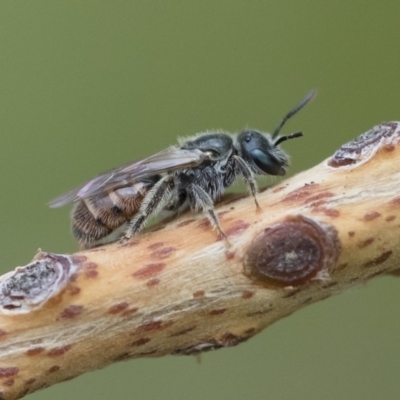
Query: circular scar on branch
[(293, 252)]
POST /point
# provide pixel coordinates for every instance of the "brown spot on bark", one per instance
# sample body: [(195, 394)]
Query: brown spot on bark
[(229, 339), (365, 243), (318, 197), (30, 381), (316, 206), (91, 273), (148, 271), (204, 224), (150, 326), (35, 351), (198, 293), (187, 222), (90, 269), (152, 282), (78, 259), (117, 308), (249, 331), (217, 311), (71, 311), (395, 202), (130, 243), (388, 148), (239, 227), (140, 342), (3, 334), (129, 312), (230, 255), (296, 195), (7, 372), (90, 265), (54, 368), (9, 382), (351, 233), (331, 212), (163, 253), (390, 218), (246, 294), (379, 260), (156, 245), (74, 290), (58, 351), (371, 215), (183, 331)]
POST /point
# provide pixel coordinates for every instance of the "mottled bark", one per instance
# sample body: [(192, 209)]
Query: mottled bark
[(181, 290)]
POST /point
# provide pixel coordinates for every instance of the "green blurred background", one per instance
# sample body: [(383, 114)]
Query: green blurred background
[(89, 85)]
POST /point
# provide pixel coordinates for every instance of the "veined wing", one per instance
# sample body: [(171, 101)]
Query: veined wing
[(170, 159)]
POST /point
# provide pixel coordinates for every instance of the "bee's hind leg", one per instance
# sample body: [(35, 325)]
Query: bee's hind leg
[(154, 201)]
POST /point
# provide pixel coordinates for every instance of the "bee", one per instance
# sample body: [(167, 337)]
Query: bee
[(192, 175)]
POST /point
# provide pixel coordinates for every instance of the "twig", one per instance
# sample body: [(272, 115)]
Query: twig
[(180, 290)]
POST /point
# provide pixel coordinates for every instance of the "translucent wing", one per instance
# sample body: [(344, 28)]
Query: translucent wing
[(166, 160)]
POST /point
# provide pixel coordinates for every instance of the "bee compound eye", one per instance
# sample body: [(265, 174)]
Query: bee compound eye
[(266, 162)]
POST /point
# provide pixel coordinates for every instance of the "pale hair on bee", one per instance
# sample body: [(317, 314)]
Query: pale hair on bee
[(193, 175)]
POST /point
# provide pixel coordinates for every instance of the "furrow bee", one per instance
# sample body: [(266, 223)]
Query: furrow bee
[(192, 175)]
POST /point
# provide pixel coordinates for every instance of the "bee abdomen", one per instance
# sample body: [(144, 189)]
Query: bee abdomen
[(96, 217)]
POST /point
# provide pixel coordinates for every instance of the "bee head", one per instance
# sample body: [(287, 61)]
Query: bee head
[(263, 153), (261, 150)]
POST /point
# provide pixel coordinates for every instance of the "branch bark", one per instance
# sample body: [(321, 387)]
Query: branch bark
[(180, 290)]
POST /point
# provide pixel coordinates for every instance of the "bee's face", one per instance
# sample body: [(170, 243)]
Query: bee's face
[(260, 152)]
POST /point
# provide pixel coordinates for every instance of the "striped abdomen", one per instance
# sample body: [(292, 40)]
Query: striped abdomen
[(94, 218)]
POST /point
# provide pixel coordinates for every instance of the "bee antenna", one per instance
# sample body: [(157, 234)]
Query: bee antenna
[(292, 112), (291, 136)]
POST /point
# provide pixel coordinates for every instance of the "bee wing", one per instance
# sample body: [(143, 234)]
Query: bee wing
[(166, 160)]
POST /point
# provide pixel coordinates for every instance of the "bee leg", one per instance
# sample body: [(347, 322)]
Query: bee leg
[(154, 201), (247, 175), (200, 201)]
